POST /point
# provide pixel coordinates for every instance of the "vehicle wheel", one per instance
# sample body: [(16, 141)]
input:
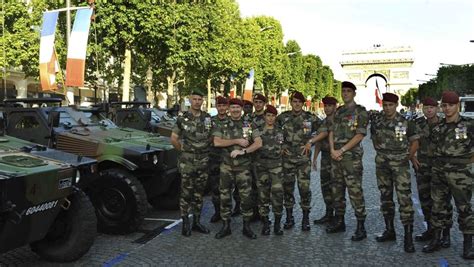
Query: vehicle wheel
[(120, 202), (72, 233), (169, 200)]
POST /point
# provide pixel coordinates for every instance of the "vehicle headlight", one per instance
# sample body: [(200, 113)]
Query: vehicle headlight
[(155, 159), (78, 176)]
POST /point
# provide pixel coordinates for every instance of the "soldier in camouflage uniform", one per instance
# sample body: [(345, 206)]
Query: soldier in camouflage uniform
[(192, 137), (297, 127), (392, 136), (258, 116), (321, 139), (234, 137), (247, 117), (422, 163), (346, 133), (452, 175), (269, 170), (215, 157)]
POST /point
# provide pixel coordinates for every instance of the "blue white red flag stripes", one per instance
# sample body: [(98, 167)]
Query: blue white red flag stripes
[(248, 89), (76, 52), (378, 97), (48, 64)]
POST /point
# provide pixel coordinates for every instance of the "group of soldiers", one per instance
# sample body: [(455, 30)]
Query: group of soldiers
[(258, 157)]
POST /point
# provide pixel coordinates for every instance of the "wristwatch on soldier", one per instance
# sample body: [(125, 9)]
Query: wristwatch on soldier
[(343, 149)]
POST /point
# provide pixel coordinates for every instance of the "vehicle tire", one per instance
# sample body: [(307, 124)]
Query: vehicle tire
[(120, 202), (72, 233), (169, 200)]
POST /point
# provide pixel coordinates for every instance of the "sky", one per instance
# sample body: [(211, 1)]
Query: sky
[(438, 31)]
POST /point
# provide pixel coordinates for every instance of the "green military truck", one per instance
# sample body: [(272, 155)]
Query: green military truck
[(139, 115), (134, 166), (41, 205)]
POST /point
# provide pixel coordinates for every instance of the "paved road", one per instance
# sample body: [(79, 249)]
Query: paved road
[(160, 241)]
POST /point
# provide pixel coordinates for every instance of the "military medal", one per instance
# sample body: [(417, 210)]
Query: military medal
[(207, 123), (460, 132), (306, 127), (400, 131), (279, 138), (246, 129)]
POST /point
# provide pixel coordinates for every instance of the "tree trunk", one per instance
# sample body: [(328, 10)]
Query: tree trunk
[(208, 95), (126, 75), (170, 90)]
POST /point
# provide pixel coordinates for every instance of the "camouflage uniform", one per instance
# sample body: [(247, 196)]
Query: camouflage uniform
[(326, 180), (391, 139), (453, 173), (297, 131), (269, 170), (349, 121), (194, 133), (235, 171), (215, 159), (424, 174)]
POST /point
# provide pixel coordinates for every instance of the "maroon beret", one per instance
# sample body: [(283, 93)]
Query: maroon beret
[(220, 100), (428, 101), (260, 97), (299, 96), (450, 97), (248, 103), (329, 100), (347, 84), (271, 109), (390, 97), (236, 101)]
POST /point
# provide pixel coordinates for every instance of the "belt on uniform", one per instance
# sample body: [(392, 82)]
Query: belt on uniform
[(454, 160)]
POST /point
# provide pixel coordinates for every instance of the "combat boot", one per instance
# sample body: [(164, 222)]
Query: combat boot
[(389, 233), (305, 221), (468, 252), (197, 226), (236, 210), (338, 225), (186, 230), (360, 232), (408, 239), (265, 226), (255, 215), (247, 231), (277, 227), (225, 230), (426, 235), (446, 238), (290, 220), (435, 243), (327, 218), (217, 213)]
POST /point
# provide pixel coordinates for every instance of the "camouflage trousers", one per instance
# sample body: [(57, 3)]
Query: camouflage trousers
[(270, 189), (241, 178), (424, 175), (457, 180), (347, 173), (214, 173), (326, 180), (301, 173), (194, 173), (394, 173), (254, 195)]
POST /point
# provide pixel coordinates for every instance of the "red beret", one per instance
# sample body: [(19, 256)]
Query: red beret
[(347, 84), (329, 100), (299, 96), (390, 97), (271, 109), (248, 103), (260, 97), (220, 100), (450, 97), (428, 101), (236, 101)]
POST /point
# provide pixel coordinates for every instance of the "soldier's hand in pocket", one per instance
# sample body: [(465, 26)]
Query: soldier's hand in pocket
[(415, 162)]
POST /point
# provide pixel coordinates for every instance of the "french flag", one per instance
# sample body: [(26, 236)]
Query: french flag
[(76, 52), (48, 63), (248, 89)]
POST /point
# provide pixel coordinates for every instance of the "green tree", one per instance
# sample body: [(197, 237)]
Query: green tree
[(410, 97), (295, 66)]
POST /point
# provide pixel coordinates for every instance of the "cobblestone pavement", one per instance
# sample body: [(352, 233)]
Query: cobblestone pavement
[(157, 245)]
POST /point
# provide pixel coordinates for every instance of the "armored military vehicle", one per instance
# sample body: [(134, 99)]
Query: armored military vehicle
[(41, 205), (139, 115), (134, 166)]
